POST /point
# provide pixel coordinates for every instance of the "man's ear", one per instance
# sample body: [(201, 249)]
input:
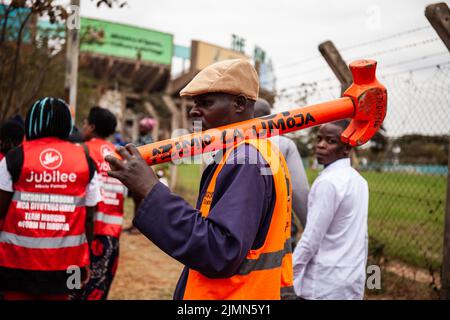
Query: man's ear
[(91, 128), (240, 103)]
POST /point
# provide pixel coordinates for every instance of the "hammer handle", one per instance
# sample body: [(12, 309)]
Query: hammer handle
[(264, 127)]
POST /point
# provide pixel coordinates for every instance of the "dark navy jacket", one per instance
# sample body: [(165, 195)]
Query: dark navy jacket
[(238, 221)]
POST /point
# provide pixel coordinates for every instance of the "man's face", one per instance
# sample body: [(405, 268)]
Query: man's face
[(213, 110), (87, 130), (329, 147)]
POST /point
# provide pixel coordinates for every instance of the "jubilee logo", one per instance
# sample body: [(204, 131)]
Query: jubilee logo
[(106, 150), (51, 159)]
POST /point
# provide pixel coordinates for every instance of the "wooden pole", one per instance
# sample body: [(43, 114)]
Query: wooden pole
[(337, 64), (73, 43), (438, 14), (445, 277)]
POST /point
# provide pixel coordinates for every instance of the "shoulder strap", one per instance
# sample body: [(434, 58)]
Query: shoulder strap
[(86, 149), (90, 162)]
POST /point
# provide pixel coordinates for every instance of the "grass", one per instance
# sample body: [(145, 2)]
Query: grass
[(188, 182), (406, 212), (406, 215)]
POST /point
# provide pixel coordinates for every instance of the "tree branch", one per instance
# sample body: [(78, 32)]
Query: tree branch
[(5, 22), (16, 60), (35, 87)]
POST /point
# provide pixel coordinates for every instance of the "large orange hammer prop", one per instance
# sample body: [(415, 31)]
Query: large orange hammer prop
[(365, 102)]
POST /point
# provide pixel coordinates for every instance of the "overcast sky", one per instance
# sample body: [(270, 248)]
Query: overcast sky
[(290, 30)]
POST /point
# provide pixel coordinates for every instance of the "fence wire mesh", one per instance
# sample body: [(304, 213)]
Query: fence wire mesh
[(406, 167)]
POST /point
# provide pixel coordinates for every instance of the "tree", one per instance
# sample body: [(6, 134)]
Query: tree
[(421, 149), (32, 61)]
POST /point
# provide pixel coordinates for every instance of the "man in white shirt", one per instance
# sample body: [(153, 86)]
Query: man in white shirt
[(330, 259)]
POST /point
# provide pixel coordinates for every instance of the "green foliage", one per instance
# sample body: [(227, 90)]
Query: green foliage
[(419, 149)]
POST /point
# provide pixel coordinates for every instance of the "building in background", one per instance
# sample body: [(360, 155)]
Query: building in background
[(132, 68), (201, 55)]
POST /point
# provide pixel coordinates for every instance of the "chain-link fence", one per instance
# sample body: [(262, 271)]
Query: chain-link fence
[(408, 174), (406, 164)]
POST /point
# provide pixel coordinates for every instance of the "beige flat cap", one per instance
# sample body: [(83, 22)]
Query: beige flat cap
[(235, 76)]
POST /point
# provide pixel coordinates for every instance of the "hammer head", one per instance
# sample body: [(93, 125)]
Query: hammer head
[(370, 100)]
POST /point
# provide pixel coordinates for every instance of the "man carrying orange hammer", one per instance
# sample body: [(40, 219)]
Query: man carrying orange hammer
[(234, 243)]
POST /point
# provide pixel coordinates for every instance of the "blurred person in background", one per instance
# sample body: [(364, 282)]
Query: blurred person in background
[(146, 126), (11, 135), (117, 140), (300, 185), (108, 217), (48, 190)]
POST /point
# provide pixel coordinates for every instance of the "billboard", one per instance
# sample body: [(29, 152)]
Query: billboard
[(204, 54), (267, 78), (125, 41), (181, 52)]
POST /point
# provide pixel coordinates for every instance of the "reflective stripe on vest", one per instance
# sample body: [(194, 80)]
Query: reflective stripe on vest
[(266, 261), (109, 211), (42, 243), (107, 218), (117, 188), (47, 198)]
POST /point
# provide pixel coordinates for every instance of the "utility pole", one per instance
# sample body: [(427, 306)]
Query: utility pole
[(73, 43), (438, 14)]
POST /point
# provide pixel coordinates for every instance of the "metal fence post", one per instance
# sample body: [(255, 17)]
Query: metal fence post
[(438, 14)]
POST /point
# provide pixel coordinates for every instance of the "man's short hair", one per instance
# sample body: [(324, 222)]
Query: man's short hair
[(104, 121), (343, 124)]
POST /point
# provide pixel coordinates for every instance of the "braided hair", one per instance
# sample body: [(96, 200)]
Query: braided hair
[(48, 117)]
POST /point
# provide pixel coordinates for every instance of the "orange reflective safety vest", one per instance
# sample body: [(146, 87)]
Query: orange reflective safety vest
[(108, 215), (44, 228), (268, 270)]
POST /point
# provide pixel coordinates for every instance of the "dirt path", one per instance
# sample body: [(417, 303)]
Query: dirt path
[(144, 272), (147, 273), (411, 273)]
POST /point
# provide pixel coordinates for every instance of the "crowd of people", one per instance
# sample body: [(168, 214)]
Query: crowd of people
[(62, 204)]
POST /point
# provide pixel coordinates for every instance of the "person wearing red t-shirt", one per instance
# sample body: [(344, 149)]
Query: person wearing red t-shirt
[(108, 216)]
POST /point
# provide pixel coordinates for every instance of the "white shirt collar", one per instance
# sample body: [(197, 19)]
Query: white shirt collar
[(338, 164)]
